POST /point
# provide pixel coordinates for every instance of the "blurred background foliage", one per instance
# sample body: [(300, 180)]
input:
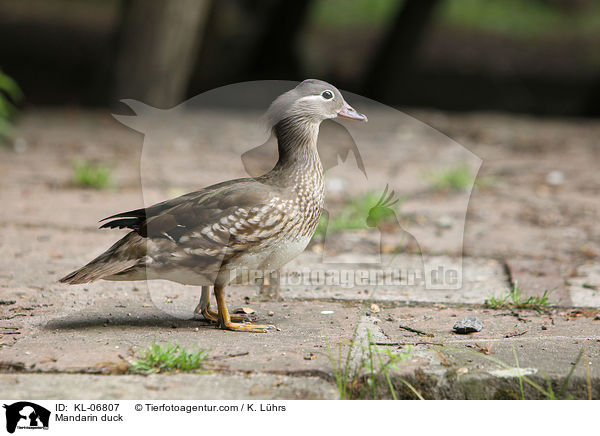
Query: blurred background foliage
[(10, 96), (518, 18), (533, 56)]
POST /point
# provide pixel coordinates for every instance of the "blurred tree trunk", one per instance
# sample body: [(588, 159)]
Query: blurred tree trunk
[(398, 48), (250, 40), (157, 44), (275, 55), (233, 30)]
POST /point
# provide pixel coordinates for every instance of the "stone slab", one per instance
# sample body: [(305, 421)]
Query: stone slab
[(165, 387)]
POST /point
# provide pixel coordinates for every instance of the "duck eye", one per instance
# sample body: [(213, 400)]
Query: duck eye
[(327, 95)]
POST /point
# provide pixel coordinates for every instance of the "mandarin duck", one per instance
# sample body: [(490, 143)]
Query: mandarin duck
[(207, 237)]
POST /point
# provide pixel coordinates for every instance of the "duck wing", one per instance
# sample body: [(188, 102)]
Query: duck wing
[(199, 230), (135, 219)]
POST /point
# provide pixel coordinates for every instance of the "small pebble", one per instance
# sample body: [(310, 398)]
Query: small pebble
[(555, 178), (468, 325), (335, 185), (20, 145), (444, 222)]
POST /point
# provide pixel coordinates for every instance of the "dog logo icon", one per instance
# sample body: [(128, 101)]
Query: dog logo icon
[(26, 415)]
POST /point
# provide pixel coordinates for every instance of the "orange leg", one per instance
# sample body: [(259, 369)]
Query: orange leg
[(203, 308), (225, 319)]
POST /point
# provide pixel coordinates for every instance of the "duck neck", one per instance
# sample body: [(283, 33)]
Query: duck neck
[(297, 144)]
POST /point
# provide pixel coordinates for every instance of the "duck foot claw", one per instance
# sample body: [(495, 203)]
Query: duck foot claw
[(241, 316), (225, 320), (239, 327), (213, 317)]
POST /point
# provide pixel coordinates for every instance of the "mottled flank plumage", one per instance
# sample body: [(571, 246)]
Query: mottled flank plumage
[(205, 237)]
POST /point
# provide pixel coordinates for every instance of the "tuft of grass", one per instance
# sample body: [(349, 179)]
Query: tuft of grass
[(354, 215), (547, 392), (485, 182), (514, 299), (91, 175), (345, 376), (392, 361), (168, 358), (10, 96), (452, 179), (370, 375)]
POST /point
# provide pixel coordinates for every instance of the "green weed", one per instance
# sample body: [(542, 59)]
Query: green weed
[(548, 391), (167, 358), (91, 175), (514, 299), (453, 179), (364, 377), (355, 214)]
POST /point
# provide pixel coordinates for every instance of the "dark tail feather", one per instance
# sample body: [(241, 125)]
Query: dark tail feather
[(125, 254)]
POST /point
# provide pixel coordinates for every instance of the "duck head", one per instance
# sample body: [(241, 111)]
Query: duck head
[(312, 101)]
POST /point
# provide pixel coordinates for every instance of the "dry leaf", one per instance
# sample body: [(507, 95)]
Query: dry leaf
[(247, 310)]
